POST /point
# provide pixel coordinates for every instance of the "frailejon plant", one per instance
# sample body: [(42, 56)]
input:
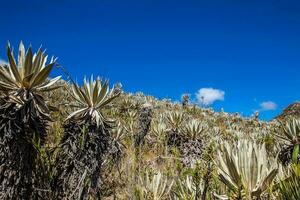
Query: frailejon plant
[(188, 189), (289, 187), (117, 147), (185, 99), (157, 136), (192, 147), (245, 169), (193, 129), (159, 129), (154, 187), (290, 139), (85, 142), (24, 118), (175, 121)]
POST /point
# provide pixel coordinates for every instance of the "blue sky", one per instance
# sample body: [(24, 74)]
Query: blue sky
[(248, 52)]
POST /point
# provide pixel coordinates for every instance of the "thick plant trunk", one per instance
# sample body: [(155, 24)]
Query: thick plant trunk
[(83, 148), (17, 153), (145, 119), (16, 165)]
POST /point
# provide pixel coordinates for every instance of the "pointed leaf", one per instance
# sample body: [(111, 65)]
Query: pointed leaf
[(42, 75), (12, 65)]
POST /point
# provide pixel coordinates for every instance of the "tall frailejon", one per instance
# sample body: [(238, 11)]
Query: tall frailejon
[(85, 142), (24, 119)]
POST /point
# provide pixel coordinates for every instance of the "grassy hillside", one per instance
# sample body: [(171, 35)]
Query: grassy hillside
[(177, 154), (60, 140)]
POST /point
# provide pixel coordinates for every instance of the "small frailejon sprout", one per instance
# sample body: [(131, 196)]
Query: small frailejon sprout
[(187, 189), (155, 187)]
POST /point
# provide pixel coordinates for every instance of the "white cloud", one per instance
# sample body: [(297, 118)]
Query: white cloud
[(207, 96), (268, 105)]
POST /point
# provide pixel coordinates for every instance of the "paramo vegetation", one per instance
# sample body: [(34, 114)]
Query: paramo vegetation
[(61, 140)]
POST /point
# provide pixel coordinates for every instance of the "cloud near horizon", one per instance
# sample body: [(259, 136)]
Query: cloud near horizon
[(207, 96), (268, 105)]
